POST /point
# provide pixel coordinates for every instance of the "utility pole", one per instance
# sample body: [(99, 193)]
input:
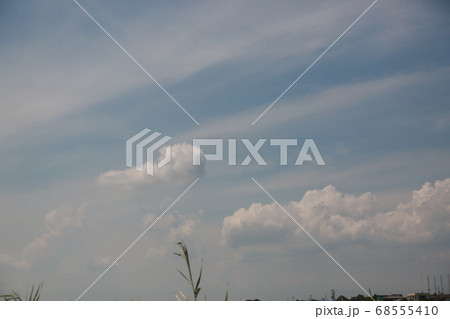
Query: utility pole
[(421, 283), (448, 278), (435, 291)]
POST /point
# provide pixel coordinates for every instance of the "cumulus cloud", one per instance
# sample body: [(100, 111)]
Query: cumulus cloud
[(426, 217), (100, 263), (331, 216), (60, 224), (174, 226), (178, 171), (256, 225)]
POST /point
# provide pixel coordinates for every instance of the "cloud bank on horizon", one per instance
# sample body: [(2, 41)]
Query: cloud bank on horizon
[(333, 217)]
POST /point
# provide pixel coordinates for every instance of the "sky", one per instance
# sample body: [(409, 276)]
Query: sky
[(376, 105)]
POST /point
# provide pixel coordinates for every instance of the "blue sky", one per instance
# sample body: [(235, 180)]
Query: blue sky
[(376, 105)]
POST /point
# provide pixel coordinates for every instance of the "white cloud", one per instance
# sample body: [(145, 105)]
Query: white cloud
[(173, 226), (258, 224), (426, 217), (178, 226), (60, 224), (100, 263), (331, 216), (178, 171)]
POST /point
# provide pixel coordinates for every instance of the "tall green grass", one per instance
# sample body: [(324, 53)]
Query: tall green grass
[(194, 284), (34, 295), (185, 255)]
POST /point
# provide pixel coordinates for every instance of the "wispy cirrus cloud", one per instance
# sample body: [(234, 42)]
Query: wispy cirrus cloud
[(81, 70)]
